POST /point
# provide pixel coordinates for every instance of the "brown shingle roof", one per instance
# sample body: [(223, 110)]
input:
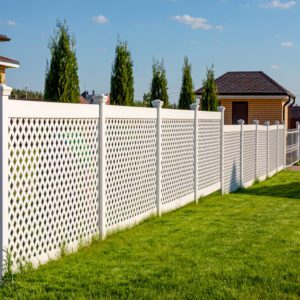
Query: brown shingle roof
[(8, 60), (248, 83), (4, 38)]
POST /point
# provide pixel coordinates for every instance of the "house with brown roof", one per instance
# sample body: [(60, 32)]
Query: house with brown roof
[(252, 96), (6, 62)]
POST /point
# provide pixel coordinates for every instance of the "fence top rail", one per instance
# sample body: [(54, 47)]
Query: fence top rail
[(130, 112), (50, 110), (250, 127), (209, 115), (181, 114), (232, 128), (274, 127), (292, 131), (177, 114)]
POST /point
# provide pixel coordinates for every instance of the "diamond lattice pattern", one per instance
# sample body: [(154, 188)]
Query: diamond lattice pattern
[(177, 159), (53, 184), (130, 170)]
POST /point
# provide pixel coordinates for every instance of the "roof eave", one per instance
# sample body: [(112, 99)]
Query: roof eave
[(9, 64), (252, 94)]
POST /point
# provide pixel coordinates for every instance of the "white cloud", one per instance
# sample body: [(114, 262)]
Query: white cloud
[(275, 67), (287, 44), (219, 27), (279, 4), (11, 23), (194, 23), (100, 19)]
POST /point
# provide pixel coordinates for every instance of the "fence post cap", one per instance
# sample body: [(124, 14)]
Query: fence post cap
[(267, 123), (194, 106), (157, 103), (241, 122), (103, 99), (5, 90), (221, 108), (276, 122), (256, 122)]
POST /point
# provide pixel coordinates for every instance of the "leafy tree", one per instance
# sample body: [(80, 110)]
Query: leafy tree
[(147, 99), (187, 95), (122, 82), (209, 100), (159, 84), (62, 83), (26, 94)]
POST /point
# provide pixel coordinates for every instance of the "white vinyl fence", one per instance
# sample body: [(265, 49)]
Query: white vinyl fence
[(292, 145), (70, 172)]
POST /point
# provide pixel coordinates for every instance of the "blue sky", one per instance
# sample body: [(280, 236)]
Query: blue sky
[(231, 34)]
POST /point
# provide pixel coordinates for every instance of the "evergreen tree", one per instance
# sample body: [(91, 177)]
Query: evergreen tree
[(187, 95), (209, 100), (147, 99), (122, 82), (159, 84), (62, 83)]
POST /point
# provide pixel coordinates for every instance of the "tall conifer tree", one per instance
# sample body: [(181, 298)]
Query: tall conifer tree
[(187, 95), (209, 100), (159, 83), (122, 82), (61, 82)]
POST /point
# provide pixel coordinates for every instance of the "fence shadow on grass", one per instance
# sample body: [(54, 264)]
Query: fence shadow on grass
[(288, 190)]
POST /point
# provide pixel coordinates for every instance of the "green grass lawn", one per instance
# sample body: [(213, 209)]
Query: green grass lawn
[(244, 245)]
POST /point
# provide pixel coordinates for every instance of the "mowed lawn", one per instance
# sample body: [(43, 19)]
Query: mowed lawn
[(244, 245)]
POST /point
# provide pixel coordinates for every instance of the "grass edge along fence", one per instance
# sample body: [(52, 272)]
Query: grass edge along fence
[(71, 172)]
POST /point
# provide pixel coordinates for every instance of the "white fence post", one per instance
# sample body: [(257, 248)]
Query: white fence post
[(256, 122), (195, 107), (5, 92), (158, 104), (298, 139), (277, 145), (102, 153), (242, 122), (221, 109), (267, 123)]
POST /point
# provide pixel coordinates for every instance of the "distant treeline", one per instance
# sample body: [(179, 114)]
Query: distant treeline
[(26, 94)]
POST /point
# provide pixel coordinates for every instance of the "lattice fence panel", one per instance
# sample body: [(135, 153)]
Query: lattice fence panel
[(281, 147), (272, 150), (130, 170), (177, 159), (232, 161), (53, 184), (292, 146), (208, 153), (262, 153), (249, 156)]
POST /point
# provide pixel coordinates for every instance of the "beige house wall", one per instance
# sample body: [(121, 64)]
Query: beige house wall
[(258, 109), (2, 74)]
